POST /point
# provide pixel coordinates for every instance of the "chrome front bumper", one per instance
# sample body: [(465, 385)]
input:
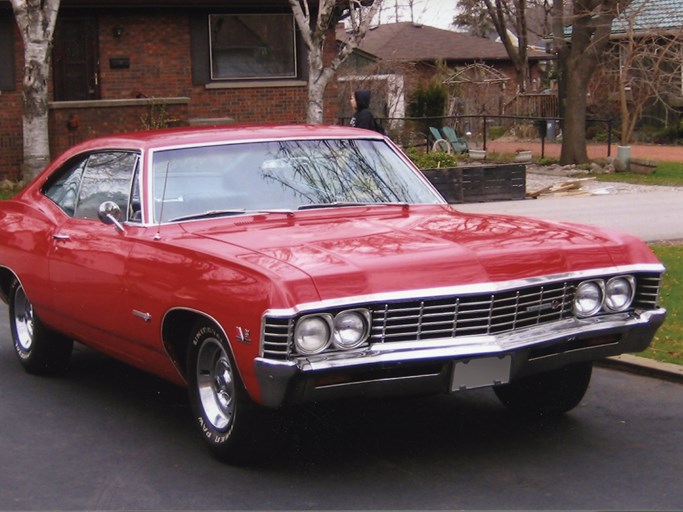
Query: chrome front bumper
[(425, 366)]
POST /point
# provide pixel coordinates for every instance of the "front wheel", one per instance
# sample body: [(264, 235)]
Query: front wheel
[(221, 407), (547, 394), (40, 350)]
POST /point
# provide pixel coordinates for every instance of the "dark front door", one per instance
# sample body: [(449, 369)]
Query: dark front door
[(75, 58)]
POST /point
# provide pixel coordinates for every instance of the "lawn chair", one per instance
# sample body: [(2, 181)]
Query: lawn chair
[(440, 144), (458, 144)]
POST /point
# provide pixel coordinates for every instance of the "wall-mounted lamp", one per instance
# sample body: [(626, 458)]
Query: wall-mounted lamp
[(117, 31)]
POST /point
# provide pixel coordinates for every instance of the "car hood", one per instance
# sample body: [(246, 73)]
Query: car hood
[(360, 251)]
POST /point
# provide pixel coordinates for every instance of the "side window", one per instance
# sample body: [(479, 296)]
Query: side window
[(64, 189), (84, 184), (108, 177)]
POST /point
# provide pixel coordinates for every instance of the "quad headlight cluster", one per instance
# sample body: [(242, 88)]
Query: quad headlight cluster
[(598, 295), (346, 330)]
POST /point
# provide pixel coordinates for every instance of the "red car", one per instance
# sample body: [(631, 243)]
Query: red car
[(286, 264)]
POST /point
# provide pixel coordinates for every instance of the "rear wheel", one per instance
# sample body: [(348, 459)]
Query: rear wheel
[(39, 349), (547, 394), (221, 407)]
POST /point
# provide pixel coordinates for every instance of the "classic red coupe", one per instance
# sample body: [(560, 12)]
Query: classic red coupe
[(275, 265)]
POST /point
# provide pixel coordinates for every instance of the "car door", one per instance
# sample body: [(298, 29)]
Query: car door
[(88, 257)]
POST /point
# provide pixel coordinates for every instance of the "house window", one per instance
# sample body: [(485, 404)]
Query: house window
[(252, 46), (7, 80)]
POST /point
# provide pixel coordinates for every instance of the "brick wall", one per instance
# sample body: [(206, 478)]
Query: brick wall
[(11, 138), (157, 45)]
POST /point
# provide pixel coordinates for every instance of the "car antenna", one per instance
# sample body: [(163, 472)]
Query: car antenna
[(163, 201)]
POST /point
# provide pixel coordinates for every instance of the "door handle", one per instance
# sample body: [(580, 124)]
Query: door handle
[(61, 237)]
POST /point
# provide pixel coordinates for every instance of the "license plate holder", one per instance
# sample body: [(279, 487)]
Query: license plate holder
[(480, 372)]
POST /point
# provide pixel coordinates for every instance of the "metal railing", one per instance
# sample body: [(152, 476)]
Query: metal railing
[(414, 131)]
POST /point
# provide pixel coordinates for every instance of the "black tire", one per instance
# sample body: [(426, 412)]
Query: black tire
[(547, 394), (221, 407), (40, 350)]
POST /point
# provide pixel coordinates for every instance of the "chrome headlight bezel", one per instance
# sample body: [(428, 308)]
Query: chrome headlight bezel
[(321, 322), (345, 330), (627, 294), (589, 298), (355, 322), (610, 295)]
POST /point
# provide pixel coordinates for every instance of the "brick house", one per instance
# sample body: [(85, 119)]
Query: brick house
[(407, 54), (126, 65)]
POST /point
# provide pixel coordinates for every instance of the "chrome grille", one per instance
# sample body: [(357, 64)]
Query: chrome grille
[(471, 315), (647, 291), (277, 334), (463, 315)]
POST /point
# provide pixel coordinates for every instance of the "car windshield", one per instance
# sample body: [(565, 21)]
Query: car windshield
[(287, 175)]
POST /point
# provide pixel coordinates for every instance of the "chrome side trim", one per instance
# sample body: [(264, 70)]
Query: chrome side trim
[(464, 289)]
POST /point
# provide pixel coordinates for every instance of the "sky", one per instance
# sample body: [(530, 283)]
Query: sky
[(436, 13)]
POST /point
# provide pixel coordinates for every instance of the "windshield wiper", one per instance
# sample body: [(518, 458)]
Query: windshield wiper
[(235, 211), (342, 204), (209, 214)]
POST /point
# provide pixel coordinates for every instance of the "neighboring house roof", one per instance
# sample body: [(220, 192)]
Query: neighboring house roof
[(411, 42), (650, 15)]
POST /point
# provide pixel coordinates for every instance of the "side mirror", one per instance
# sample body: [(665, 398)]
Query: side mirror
[(110, 213)]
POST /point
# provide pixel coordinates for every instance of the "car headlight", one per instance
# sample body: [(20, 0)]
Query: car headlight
[(351, 328), (588, 298), (313, 334), (619, 293)]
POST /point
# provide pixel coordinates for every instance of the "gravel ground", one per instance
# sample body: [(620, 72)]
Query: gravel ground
[(539, 177)]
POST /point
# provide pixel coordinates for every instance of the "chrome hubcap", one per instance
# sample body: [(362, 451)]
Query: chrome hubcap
[(23, 320), (215, 384)]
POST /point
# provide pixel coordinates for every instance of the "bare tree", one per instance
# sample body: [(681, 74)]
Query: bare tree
[(578, 58), (473, 17), (36, 20), (644, 68), (314, 33), (512, 12)]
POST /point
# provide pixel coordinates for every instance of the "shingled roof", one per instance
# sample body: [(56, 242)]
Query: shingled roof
[(413, 43), (651, 15)]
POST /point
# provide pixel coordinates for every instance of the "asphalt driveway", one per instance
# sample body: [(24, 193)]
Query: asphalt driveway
[(654, 215)]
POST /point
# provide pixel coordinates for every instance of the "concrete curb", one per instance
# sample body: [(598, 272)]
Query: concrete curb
[(644, 366)]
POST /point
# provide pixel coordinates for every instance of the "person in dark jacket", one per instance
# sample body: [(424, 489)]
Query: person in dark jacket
[(363, 117)]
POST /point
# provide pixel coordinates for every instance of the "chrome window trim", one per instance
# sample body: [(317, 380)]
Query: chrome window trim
[(149, 169)]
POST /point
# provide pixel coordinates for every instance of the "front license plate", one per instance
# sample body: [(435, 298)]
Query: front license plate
[(481, 372)]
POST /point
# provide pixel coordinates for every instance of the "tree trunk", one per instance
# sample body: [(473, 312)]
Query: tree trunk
[(318, 78), (35, 119), (591, 28), (501, 17), (574, 130), (36, 21), (314, 32)]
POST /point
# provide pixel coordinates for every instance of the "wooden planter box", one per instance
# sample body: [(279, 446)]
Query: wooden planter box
[(479, 184)]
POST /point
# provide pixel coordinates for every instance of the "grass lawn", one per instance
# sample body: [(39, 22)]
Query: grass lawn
[(667, 173), (668, 343)]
